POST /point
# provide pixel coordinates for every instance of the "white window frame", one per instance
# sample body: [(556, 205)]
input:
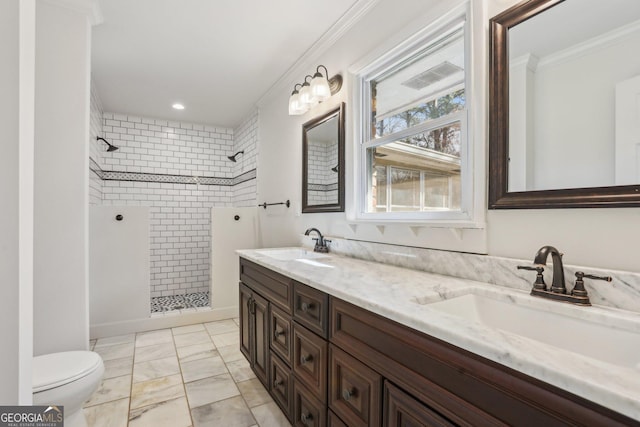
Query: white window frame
[(361, 79)]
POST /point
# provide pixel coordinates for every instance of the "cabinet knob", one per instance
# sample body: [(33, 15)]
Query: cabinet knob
[(278, 332), (306, 306), (277, 383), (305, 418), (348, 394), (305, 359)]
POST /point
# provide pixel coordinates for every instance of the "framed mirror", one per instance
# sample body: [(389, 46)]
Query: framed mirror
[(564, 85), (323, 163)]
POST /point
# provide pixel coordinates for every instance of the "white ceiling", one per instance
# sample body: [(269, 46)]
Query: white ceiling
[(217, 57)]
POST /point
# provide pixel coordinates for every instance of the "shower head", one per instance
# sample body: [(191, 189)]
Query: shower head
[(233, 158), (110, 146)]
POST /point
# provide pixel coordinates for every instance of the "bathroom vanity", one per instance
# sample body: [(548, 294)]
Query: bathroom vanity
[(344, 342)]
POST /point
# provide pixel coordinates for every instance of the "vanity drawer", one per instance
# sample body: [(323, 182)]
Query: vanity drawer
[(273, 286), (307, 410), (280, 328), (400, 409), (281, 387), (310, 361), (355, 392), (333, 420), (311, 308)]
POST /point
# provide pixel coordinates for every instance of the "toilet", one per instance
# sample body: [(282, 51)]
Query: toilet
[(67, 379)]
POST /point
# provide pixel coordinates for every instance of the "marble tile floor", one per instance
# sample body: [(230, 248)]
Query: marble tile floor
[(190, 376)]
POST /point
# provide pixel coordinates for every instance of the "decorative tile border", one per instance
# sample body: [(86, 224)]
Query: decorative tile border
[(167, 178), (247, 176), (323, 187)]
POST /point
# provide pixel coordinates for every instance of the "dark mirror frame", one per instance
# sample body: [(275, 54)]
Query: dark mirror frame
[(334, 207), (499, 196)]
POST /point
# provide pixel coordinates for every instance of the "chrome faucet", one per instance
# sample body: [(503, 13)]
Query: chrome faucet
[(321, 242), (558, 290)]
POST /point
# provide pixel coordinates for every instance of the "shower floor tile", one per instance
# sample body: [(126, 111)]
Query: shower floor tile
[(179, 302)]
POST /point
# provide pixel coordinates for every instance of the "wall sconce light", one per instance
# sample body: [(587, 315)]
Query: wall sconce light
[(312, 93)]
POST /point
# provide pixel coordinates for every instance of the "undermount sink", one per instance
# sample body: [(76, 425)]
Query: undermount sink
[(561, 325), (290, 254)]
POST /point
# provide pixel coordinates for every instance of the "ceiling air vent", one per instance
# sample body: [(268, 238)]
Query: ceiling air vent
[(432, 75)]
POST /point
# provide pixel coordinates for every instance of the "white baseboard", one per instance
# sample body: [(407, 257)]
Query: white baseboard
[(111, 329)]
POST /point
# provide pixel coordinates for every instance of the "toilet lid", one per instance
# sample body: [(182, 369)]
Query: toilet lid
[(57, 369)]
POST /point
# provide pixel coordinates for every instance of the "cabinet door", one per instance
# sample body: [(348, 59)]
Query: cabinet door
[(307, 410), (281, 385), (280, 333), (402, 410), (245, 321), (311, 308), (260, 314), (310, 360), (355, 390), (333, 420)]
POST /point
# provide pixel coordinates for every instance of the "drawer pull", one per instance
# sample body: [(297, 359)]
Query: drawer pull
[(348, 394), (305, 418), (277, 383), (306, 306), (305, 359), (278, 332)]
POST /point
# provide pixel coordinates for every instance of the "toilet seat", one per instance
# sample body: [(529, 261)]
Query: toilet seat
[(57, 369)]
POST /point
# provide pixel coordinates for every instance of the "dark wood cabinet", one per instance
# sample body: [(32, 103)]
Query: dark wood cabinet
[(310, 361), (245, 321), (281, 387), (280, 332), (328, 362), (271, 285), (333, 420), (261, 336), (355, 390), (461, 386), (308, 411), (311, 308), (402, 410), (254, 332)]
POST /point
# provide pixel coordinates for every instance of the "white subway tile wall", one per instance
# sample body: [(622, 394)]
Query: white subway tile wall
[(179, 212), (246, 139), (322, 180)]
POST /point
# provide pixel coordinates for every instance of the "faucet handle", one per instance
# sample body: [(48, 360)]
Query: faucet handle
[(579, 289), (539, 283)]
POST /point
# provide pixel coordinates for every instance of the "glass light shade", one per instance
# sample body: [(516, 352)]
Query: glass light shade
[(305, 94), (295, 107), (320, 88)]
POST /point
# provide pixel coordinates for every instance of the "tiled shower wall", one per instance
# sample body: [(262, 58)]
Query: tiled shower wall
[(246, 139), (322, 181), (180, 170)]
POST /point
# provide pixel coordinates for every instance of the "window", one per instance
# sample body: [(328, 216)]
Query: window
[(414, 153)]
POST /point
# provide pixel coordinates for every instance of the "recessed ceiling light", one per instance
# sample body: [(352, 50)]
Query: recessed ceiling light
[(178, 107)]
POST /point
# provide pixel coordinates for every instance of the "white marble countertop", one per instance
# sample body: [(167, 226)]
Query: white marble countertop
[(400, 294)]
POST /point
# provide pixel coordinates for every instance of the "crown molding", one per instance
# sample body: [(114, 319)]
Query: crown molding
[(91, 8), (327, 40), (602, 41)]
